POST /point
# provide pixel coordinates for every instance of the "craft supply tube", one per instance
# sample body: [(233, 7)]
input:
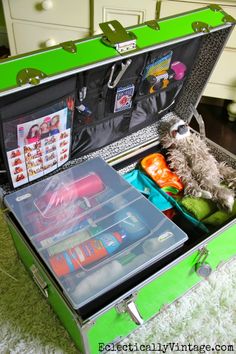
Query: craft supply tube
[(85, 253), (82, 188), (72, 241)]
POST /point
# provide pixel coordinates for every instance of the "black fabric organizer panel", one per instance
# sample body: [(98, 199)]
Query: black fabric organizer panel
[(100, 135), (105, 126)]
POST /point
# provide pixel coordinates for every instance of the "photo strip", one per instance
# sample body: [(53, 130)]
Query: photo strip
[(42, 144)]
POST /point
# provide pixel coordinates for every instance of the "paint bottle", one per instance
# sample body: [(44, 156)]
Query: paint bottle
[(86, 253)]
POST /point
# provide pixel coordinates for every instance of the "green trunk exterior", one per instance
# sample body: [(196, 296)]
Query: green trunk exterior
[(54, 298), (111, 325), (161, 291), (56, 60)]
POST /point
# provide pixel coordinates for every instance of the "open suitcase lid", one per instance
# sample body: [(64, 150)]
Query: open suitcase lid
[(103, 96), (23, 71), (93, 230)]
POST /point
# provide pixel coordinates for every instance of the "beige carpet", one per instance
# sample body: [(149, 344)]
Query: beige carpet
[(206, 315)]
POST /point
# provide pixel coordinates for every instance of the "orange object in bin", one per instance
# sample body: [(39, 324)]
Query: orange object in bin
[(156, 167)]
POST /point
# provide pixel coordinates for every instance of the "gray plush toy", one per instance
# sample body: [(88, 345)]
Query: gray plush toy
[(189, 156)]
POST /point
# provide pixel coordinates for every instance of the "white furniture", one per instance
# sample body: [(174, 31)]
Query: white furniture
[(222, 83), (127, 12), (36, 24)]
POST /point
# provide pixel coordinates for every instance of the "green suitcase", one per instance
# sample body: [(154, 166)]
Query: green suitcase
[(112, 120)]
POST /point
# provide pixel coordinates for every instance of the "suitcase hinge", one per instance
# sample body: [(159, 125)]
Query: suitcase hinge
[(153, 24), (115, 35), (128, 306), (200, 121), (201, 27), (69, 47), (29, 76)]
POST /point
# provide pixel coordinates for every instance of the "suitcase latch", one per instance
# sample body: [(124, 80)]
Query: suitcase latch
[(203, 269), (128, 306), (115, 35), (29, 76), (43, 287)]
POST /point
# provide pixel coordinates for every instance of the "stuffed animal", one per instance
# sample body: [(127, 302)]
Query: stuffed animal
[(189, 156)]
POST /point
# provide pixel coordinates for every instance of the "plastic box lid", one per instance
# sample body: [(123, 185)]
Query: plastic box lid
[(92, 228)]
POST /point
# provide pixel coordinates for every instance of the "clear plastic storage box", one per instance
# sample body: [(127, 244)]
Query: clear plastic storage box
[(92, 229)]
